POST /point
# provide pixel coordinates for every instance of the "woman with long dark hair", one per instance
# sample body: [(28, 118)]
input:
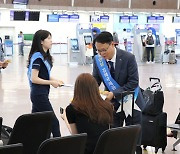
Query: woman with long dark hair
[(39, 66), (88, 112)]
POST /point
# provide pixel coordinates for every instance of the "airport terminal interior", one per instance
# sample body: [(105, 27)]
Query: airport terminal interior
[(72, 37)]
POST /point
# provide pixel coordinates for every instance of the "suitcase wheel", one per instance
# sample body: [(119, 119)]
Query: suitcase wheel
[(144, 146), (163, 149), (156, 149)]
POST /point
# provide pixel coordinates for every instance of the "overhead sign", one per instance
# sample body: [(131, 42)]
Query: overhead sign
[(124, 19), (104, 18), (74, 18), (94, 18), (133, 19), (159, 19), (63, 17), (151, 19)]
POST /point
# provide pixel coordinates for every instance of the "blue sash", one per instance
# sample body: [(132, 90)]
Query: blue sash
[(33, 58), (110, 83)]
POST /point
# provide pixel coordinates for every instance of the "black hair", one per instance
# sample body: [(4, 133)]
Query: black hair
[(104, 37), (94, 30), (39, 36)]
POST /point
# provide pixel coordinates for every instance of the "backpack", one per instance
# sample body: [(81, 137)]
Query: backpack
[(150, 40)]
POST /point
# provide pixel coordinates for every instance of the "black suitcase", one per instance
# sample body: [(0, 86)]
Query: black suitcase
[(154, 131)]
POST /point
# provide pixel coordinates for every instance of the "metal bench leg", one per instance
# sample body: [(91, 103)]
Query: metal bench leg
[(176, 143)]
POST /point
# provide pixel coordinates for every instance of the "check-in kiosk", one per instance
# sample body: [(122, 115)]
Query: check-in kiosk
[(84, 35), (74, 53), (8, 46)]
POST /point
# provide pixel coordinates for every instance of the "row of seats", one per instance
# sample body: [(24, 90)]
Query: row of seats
[(31, 135)]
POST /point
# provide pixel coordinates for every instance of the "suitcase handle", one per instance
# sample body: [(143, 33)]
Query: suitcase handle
[(151, 78)]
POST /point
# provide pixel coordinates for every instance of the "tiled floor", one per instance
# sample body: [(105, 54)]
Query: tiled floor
[(14, 89)]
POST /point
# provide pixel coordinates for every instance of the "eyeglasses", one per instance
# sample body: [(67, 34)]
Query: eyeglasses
[(104, 50)]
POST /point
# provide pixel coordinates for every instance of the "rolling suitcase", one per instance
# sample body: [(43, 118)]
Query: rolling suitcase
[(172, 57), (154, 131), (165, 57)]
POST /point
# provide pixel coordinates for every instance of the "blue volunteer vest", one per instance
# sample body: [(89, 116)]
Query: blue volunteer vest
[(35, 56)]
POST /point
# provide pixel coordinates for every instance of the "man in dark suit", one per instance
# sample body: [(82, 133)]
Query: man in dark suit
[(125, 75)]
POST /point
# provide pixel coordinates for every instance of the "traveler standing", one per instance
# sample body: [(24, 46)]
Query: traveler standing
[(39, 66), (150, 44), (21, 43)]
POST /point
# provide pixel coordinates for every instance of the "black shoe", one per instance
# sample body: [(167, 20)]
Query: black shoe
[(138, 150)]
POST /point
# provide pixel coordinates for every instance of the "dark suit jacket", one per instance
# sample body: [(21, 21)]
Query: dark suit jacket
[(126, 74)]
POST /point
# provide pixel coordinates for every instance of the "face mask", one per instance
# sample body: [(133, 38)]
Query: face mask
[(149, 34)]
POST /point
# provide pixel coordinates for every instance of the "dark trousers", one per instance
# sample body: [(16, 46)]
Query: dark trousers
[(119, 119), (41, 103), (21, 49), (148, 50)]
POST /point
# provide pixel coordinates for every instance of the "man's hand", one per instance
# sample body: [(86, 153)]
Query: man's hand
[(109, 96)]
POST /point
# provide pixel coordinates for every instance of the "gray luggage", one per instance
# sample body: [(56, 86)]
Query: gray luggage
[(165, 57), (172, 57)]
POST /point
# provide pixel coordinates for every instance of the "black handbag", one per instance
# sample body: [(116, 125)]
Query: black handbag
[(154, 100)]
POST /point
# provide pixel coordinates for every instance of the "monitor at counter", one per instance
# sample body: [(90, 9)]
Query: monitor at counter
[(74, 44), (87, 39)]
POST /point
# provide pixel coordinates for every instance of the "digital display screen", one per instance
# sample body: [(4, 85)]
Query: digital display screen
[(176, 19), (19, 15), (87, 39), (151, 19), (74, 17), (25, 2), (133, 19), (24, 15), (53, 18), (74, 44), (160, 19), (34, 16), (124, 19), (104, 18)]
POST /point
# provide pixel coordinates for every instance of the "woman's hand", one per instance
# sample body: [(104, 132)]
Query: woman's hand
[(55, 83), (61, 83), (5, 64)]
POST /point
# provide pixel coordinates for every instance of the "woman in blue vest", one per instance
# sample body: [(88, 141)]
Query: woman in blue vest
[(39, 66)]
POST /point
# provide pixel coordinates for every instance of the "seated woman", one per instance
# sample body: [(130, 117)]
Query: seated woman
[(88, 112)]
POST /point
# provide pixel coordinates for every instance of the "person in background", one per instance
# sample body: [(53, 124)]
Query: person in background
[(88, 112), (21, 43), (94, 37), (118, 71), (40, 63), (150, 44), (3, 62), (124, 35), (115, 39)]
